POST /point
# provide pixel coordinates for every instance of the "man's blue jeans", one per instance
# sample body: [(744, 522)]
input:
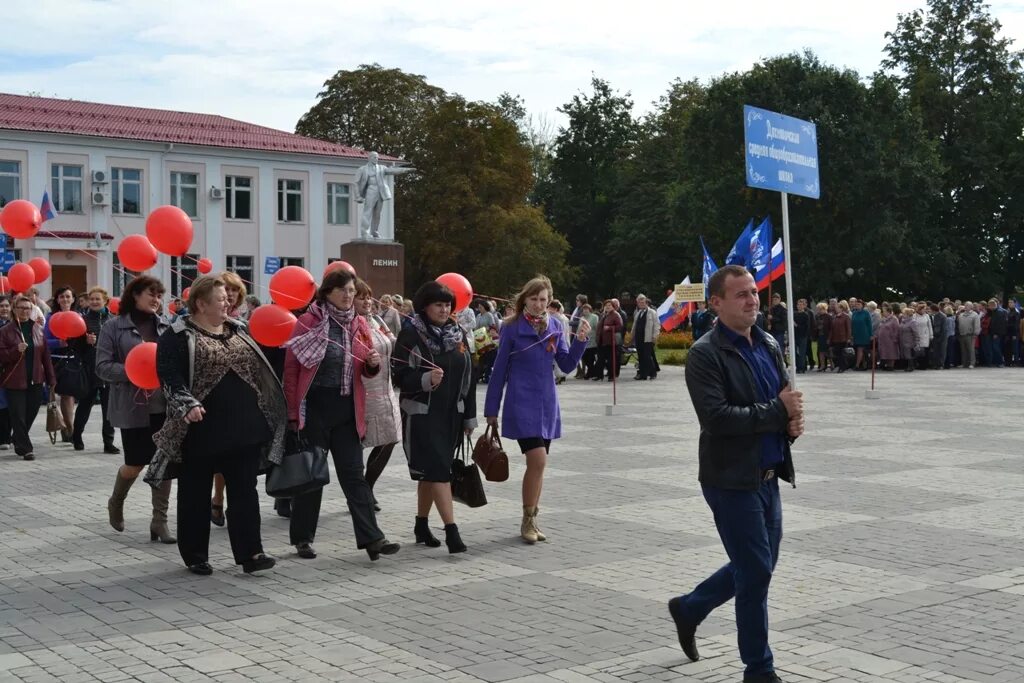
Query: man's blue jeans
[(750, 526)]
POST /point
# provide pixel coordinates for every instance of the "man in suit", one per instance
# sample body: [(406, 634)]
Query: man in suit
[(372, 191), (748, 417), (646, 328)]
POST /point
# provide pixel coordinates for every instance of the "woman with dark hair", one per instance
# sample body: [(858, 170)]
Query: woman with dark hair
[(138, 414), (62, 352), (226, 414), (433, 369), (27, 367), (5, 414), (96, 316), (531, 342), (329, 356)]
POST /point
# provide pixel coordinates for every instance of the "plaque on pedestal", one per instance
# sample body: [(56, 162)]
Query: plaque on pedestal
[(381, 264)]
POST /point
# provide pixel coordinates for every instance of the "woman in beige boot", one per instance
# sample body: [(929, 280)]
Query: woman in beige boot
[(138, 414), (531, 343)]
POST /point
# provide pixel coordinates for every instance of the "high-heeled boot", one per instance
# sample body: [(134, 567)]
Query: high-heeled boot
[(528, 530), (115, 505), (453, 540), (158, 530), (424, 535)]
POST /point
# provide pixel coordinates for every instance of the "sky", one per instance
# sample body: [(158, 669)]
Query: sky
[(265, 61)]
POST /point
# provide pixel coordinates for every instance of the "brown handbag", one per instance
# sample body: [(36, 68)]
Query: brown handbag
[(490, 456), (54, 420)]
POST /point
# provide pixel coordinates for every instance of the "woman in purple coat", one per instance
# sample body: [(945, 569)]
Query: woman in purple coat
[(529, 344), (888, 338)]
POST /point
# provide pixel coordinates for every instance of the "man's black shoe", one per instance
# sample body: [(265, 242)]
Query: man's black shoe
[(111, 449), (686, 631), (770, 677)]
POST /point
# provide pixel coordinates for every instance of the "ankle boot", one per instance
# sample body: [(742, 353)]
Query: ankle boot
[(423, 534), (115, 506), (158, 527), (529, 530), (453, 540)]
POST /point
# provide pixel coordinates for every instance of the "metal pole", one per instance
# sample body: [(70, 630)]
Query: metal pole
[(615, 367), (788, 255), (874, 355)]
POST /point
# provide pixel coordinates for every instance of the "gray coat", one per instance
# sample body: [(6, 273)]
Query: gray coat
[(126, 406)]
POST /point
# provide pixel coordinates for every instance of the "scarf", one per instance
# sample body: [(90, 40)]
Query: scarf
[(438, 339), (538, 322), (310, 346)]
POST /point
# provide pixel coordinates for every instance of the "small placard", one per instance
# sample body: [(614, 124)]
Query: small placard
[(690, 292)]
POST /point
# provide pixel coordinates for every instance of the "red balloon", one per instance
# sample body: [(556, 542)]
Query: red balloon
[(136, 253), (185, 293), (292, 287), (21, 219), (460, 287), (271, 325), (22, 277), (5, 284), (67, 325), (140, 366), (41, 267), (170, 230), (339, 265), (204, 265), (172, 308), (114, 305)]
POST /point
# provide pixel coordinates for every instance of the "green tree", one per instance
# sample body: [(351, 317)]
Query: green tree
[(582, 195), (964, 82)]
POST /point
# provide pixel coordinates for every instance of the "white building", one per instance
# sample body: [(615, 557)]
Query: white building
[(253, 192)]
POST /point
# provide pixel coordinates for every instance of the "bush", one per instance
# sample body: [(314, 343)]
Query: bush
[(675, 358), (675, 340)]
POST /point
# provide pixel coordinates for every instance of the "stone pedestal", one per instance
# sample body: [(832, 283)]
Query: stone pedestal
[(381, 264)]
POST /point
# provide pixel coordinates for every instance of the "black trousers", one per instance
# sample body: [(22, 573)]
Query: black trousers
[(239, 468), (5, 426), (645, 354), (604, 362), (23, 406), (377, 461), (331, 424), (84, 410), (589, 362)]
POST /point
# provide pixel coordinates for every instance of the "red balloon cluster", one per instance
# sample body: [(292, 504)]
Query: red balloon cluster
[(20, 219), (22, 277), (67, 325), (204, 265), (185, 292), (271, 325), (169, 229), (114, 305), (41, 268), (136, 253), (460, 287), (339, 265), (292, 287), (140, 366)]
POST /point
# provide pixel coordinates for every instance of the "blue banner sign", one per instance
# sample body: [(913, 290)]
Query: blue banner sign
[(272, 265), (781, 152), (6, 260)]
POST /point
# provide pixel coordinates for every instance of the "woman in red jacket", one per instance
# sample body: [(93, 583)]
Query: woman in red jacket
[(608, 330), (26, 365), (328, 356)]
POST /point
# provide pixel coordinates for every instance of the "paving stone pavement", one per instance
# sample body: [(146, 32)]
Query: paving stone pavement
[(901, 560)]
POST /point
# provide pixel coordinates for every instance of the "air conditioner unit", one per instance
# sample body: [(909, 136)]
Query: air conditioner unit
[(100, 199), (216, 193), (99, 177)]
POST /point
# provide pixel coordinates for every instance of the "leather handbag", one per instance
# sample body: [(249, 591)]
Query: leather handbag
[(54, 420), (72, 379), (303, 469), (490, 456), (467, 487)]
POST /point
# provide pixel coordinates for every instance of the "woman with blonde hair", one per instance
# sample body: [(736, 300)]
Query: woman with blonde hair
[(531, 341), (235, 287)]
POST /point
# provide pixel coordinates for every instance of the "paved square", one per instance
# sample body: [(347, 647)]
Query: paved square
[(901, 560)]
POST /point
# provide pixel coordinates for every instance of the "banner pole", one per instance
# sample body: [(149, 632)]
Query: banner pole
[(787, 254)]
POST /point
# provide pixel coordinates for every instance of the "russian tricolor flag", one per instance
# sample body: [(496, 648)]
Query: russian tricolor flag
[(46, 207), (775, 271), (672, 319)]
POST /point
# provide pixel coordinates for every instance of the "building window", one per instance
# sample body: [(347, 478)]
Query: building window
[(185, 192), (126, 190), (289, 201), (66, 182), (242, 267), (121, 277), (239, 197), (337, 203), (10, 181), (184, 271), (293, 261)]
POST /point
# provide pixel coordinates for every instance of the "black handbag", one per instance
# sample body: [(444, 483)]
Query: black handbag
[(467, 486), (72, 378), (303, 469)]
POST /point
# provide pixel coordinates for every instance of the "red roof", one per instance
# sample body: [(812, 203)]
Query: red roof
[(73, 235), (72, 117)]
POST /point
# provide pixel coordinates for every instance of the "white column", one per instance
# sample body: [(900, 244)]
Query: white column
[(317, 216), (214, 247), (267, 222)]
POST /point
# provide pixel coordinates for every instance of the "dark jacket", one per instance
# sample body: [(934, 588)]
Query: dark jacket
[(725, 396), (127, 406), (12, 361), (842, 329), (1012, 322), (86, 352), (803, 321), (823, 325), (998, 324)]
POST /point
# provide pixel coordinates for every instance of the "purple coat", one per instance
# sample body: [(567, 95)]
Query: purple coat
[(524, 363)]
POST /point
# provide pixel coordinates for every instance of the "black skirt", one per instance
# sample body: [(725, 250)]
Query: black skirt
[(137, 442)]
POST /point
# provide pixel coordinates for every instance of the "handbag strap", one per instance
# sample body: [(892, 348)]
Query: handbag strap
[(492, 433)]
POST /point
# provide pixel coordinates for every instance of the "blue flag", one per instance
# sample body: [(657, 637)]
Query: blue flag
[(741, 250), (761, 245), (709, 264)]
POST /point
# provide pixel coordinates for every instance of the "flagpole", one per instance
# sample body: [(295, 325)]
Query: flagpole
[(787, 255)]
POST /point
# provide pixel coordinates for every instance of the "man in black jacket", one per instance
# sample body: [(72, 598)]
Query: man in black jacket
[(748, 417), (997, 330)]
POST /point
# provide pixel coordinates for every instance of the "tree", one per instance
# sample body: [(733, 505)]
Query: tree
[(582, 197), (965, 84)]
